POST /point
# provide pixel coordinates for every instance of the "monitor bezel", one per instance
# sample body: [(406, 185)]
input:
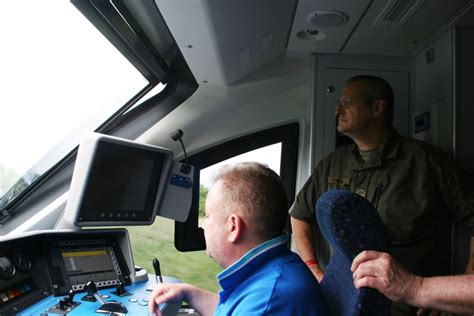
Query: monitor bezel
[(82, 170)]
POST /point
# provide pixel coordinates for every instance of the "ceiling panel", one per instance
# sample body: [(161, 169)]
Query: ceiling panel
[(333, 37), (376, 40), (360, 36), (222, 41)]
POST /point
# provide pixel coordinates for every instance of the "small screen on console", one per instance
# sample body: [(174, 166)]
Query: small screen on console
[(91, 263)]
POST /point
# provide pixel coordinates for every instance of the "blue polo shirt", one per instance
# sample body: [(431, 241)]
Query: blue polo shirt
[(269, 280)]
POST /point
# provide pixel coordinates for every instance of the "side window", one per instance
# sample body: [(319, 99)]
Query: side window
[(276, 147), (269, 155)]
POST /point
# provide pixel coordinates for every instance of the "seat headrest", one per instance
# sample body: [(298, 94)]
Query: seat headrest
[(350, 223)]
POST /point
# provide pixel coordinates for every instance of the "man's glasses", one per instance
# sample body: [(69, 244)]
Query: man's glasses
[(344, 103)]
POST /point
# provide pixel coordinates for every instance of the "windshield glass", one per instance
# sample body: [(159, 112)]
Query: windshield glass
[(60, 78)]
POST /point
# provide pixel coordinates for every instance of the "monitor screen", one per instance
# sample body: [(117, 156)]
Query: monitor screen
[(91, 263), (117, 181), (77, 257), (122, 184)]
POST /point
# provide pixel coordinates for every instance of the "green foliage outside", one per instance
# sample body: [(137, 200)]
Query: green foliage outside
[(202, 199), (8, 177), (157, 240), (11, 185)]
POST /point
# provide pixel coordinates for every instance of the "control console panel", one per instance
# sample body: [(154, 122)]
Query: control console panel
[(134, 300), (71, 273)]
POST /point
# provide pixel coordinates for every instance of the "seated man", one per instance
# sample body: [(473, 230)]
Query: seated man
[(379, 270), (246, 212)]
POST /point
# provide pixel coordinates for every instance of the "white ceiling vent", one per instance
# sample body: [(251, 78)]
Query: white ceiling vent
[(397, 12), (328, 18)]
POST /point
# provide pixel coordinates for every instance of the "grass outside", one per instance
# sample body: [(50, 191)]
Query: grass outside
[(157, 240)]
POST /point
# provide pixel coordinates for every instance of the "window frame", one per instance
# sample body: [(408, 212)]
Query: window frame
[(188, 235), (114, 21)]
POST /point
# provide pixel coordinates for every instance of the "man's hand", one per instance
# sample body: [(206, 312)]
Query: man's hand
[(173, 293), (444, 293), (380, 271), (318, 273), (204, 302)]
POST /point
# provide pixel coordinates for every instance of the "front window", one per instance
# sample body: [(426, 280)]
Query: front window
[(60, 78)]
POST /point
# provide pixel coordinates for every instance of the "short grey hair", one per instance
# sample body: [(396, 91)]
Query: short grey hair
[(259, 193), (377, 88)]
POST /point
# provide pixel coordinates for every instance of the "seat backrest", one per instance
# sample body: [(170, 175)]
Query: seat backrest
[(350, 224)]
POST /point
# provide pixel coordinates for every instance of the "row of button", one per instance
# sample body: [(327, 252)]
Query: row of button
[(99, 284), (143, 302), (117, 214), (12, 293)]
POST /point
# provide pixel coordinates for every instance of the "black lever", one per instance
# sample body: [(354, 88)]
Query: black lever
[(89, 297), (106, 307), (120, 290), (91, 289), (63, 304), (70, 297), (176, 136), (156, 267), (68, 301)]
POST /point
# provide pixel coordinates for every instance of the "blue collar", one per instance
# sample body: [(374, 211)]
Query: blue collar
[(239, 268)]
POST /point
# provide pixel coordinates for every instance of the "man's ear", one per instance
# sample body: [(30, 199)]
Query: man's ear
[(235, 226), (378, 108)]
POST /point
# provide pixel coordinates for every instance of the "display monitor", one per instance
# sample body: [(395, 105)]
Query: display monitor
[(117, 182), (87, 263)]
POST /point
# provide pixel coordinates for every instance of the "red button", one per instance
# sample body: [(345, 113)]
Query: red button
[(16, 292)]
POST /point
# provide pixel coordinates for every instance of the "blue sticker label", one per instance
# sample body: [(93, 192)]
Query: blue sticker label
[(180, 181)]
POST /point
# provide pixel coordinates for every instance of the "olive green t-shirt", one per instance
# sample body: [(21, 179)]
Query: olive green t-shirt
[(366, 155)]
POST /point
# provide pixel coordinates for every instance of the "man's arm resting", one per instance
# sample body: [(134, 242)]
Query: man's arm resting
[(202, 301), (303, 236), (453, 294), (380, 271)]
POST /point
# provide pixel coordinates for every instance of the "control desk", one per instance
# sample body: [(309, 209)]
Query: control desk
[(73, 273)]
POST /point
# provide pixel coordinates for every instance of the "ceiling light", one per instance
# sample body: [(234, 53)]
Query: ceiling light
[(328, 18), (311, 35)]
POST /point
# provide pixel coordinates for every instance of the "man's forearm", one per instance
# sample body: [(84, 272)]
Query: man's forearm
[(453, 294), (204, 302), (303, 236)]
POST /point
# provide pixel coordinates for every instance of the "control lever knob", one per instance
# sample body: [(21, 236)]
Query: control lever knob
[(156, 267), (106, 307), (63, 304), (120, 289), (70, 297), (91, 289), (71, 293)]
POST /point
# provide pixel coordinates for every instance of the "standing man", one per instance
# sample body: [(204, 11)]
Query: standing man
[(246, 212), (414, 186)]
